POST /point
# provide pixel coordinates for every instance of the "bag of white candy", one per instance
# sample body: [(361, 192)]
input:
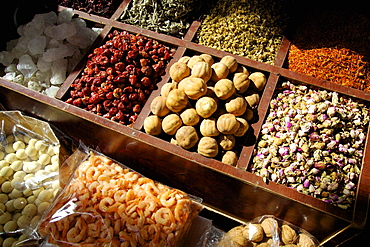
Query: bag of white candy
[(29, 173)]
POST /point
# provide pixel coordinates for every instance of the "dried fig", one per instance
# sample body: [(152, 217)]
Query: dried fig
[(288, 234), (253, 232), (305, 241), (270, 227), (236, 234)]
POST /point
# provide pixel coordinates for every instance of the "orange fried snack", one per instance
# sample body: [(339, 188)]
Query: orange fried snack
[(108, 205)]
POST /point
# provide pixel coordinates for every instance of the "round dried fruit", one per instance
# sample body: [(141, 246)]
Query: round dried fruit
[(166, 88), (193, 60), (236, 105), (230, 62), (179, 71), (207, 58), (258, 81), (219, 71), (176, 100), (236, 234), (208, 127), (241, 82), (243, 127), (193, 87), (226, 142), (186, 137), (224, 89), (153, 125), (305, 241), (202, 70), (158, 106), (252, 98), (208, 147), (190, 117), (205, 106), (171, 123), (230, 158), (227, 123)]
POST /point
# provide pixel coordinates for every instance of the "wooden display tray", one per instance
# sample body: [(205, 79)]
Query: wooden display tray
[(232, 191)]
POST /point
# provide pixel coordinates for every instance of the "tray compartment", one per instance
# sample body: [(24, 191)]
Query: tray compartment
[(120, 81), (328, 46), (250, 29), (241, 142)]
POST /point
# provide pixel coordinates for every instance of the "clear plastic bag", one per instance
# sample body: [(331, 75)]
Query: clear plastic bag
[(271, 231), (29, 173), (107, 204)]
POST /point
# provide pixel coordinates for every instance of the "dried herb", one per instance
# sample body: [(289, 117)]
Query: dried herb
[(104, 8), (253, 29), (172, 17), (333, 46)]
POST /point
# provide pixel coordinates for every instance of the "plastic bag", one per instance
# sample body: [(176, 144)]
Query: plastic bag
[(204, 234), (29, 173), (107, 204), (271, 231)]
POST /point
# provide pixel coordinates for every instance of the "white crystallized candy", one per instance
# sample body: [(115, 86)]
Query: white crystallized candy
[(48, 49), (28, 168)]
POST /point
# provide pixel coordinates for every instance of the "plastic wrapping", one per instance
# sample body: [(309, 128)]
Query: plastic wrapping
[(107, 204), (29, 173), (270, 231), (204, 234)]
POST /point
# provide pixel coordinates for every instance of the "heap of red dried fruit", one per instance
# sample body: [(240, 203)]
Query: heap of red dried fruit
[(119, 76)]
